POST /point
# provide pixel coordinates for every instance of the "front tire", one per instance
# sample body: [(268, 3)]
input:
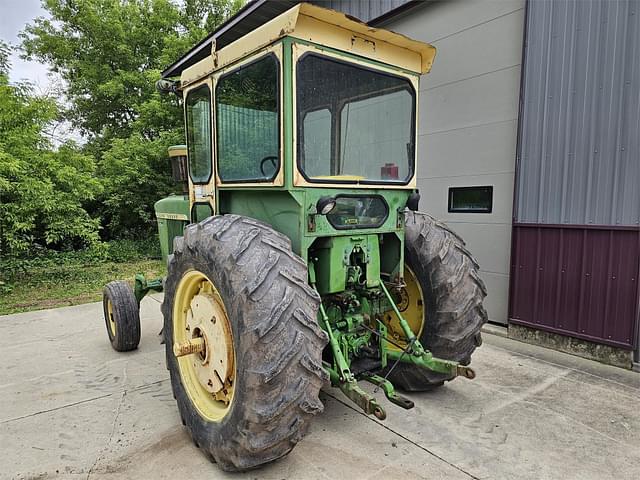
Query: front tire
[(452, 293), (276, 341), (121, 315)]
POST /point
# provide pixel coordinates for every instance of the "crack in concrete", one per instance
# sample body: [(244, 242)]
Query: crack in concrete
[(425, 449), (113, 429), (80, 402)]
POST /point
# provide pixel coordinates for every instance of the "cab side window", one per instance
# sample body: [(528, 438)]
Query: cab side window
[(198, 112), (248, 126)]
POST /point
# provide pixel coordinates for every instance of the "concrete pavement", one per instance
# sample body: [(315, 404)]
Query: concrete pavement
[(71, 407)]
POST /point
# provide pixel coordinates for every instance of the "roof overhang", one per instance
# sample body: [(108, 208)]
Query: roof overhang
[(311, 23), (249, 17)]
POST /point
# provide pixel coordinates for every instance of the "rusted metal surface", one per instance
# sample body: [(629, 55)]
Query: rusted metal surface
[(197, 345), (577, 280)]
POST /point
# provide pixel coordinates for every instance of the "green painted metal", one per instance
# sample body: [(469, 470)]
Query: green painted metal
[(142, 286), (416, 347), (357, 395), (389, 391), (347, 55), (335, 255), (172, 214)]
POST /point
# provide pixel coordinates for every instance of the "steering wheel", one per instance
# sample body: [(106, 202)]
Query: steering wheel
[(270, 158)]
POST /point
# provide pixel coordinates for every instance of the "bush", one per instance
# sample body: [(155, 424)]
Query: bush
[(42, 260)]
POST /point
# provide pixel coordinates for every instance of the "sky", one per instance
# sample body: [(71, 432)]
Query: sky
[(14, 15)]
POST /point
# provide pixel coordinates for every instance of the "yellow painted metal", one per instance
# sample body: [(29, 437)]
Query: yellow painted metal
[(112, 322), (203, 193), (411, 303), (325, 27), (298, 179), (336, 30), (340, 177), (172, 216), (208, 375)]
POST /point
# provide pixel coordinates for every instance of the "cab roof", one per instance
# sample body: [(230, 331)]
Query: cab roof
[(310, 23)]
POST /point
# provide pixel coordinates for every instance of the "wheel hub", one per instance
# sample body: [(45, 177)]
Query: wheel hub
[(203, 345), (214, 364), (410, 302), (112, 321)]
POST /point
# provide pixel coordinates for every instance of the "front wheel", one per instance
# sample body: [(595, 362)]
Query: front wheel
[(237, 294), (121, 315), (442, 300)]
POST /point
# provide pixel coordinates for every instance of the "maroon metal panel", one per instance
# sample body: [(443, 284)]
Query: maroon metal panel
[(577, 280)]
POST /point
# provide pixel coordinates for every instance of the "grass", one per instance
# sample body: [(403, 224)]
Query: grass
[(57, 279)]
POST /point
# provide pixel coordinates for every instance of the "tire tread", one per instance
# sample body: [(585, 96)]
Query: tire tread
[(454, 293), (281, 346)]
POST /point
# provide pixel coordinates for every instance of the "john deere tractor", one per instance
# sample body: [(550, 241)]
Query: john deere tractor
[(296, 255)]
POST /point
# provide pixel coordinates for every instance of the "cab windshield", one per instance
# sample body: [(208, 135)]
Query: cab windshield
[(355, 125)]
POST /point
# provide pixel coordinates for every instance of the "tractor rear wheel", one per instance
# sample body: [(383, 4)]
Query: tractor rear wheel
[(237, 294), (442, 300), (121, 315)]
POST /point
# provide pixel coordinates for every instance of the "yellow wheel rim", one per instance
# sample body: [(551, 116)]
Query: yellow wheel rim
[(111, 321), (208, 376), (410, 301)]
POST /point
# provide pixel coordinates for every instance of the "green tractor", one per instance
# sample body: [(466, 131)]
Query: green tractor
[(296, 255)]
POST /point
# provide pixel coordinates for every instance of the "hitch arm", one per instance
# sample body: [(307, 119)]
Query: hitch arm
[(417, 355), (430, 362), (343, 378)]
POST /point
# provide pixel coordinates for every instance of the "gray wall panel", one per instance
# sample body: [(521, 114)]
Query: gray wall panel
[(579, 159), (468, 122), (365, 10)]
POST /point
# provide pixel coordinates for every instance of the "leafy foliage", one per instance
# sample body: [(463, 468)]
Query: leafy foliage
[(42, 190), (135, 174), (109, 54), (58, 201), (50, 279)]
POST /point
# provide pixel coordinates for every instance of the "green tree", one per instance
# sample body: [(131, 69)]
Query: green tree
[(109, 54), (42, 189)]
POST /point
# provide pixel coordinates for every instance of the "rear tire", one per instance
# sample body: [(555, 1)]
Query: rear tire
[(453, 295), (121, 315), (277, 341)]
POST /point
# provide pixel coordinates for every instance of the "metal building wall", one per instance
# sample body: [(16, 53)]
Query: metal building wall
[(364, 10), (576, 234), (469, 123), (580, 156)]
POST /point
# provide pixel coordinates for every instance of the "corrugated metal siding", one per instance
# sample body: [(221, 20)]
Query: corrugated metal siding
[(579, 160), (364, 10), (577, 281)]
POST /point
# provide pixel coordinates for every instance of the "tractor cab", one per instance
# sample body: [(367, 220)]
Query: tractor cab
[(296, 255), (310, 107)]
